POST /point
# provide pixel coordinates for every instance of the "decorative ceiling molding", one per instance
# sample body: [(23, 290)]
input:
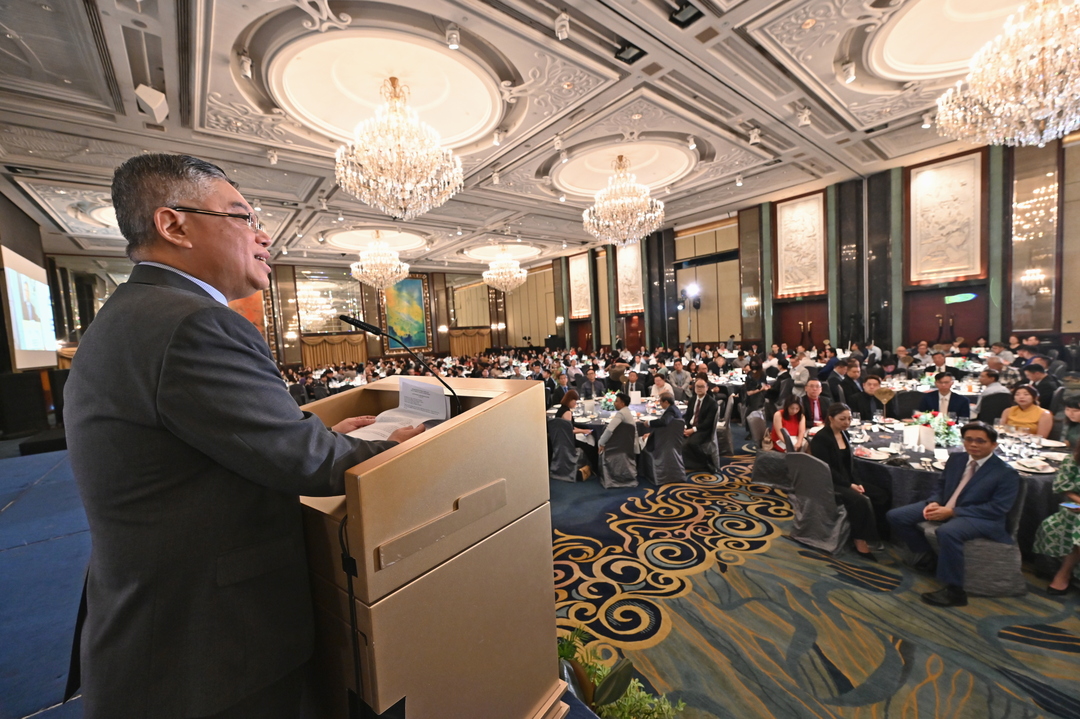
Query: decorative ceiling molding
[(322, 17), (553, 86)]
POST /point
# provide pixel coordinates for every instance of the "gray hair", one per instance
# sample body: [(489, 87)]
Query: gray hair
[(144, 183)]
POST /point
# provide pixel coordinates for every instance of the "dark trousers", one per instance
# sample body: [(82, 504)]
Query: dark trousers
[(279, 700), (951, 536), (862, 510)]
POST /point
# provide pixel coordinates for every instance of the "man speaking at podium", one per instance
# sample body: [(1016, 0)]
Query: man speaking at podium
[(189, 455)]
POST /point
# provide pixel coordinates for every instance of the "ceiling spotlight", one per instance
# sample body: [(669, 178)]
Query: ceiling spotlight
[(848, 68), (690, 142), (257, 206), (629, 53), (284, 250), (497, 138), (453, 36), (738, 180), (667, 190), (564, 244), (519, 238), (299, 234), (495, 177), (562, 198), (322, 203), (459, 231), (558, 143), (321, 239), (245, 64), (564, 157), (755, 136), (562, 26), (271, 157), (927, 120), (685, 15), (340, 217), (803, 113)]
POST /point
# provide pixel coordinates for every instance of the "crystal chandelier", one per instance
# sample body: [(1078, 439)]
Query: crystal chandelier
[(396, 163), (379, 266), (1024, 85), (623, 212), (505, 273)]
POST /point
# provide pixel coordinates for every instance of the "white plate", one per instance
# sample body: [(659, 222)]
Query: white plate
[(875, 456), (1023, 468), (939, 465), (1053, 443)]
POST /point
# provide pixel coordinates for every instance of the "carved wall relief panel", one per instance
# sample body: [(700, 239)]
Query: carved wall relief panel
[(580, 297), (800, 252), (946, 220), (630, 295)]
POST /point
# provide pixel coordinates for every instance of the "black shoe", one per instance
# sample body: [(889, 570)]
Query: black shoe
[(1056, 592), (927, 563), (868, 556), (950, 596)]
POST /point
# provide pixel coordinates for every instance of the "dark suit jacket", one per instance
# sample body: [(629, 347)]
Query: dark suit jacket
[(957, 404), (189, 454), (866, 404), (825, 399), (832, 382), (851, 389), (706, 419), (1046, 387), (823, 446), (638, 386), (670, 414), (592, 390), (558, 392), (986, 499)]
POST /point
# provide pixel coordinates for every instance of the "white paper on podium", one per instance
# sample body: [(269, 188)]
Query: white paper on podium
[(418, 402)]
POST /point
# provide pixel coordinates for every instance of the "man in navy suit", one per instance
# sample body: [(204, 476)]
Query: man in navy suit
[(973, 496), (671, 413), (944, 400)]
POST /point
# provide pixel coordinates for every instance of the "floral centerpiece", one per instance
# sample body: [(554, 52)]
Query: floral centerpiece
[(946, 433), (607, 402)]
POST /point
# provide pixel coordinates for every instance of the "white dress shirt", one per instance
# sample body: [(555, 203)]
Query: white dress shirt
[(214, 292)]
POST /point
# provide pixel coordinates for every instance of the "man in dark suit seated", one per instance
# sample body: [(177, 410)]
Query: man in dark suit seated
[(561, 388), (671, 413), (815, 403), (834, 380), (945, 400), (1045, 384), (592, 388), (937, 365), (701, 429), (852, 382), (635, 383), (189, 455), (973, 497), (865, 403)]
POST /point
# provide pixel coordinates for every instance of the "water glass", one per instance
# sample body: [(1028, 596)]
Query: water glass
[(855, 418), (879, 417)]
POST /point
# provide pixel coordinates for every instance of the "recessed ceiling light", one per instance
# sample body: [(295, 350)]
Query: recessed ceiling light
[(636, 116), (562, 198), (629, 53), (809, 23)]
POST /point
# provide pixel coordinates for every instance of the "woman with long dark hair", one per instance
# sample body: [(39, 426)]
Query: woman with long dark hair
[(866, 504)]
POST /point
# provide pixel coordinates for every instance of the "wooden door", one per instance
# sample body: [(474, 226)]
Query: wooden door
[(928, 317), (632, 330), (804, 322), (582, 334)]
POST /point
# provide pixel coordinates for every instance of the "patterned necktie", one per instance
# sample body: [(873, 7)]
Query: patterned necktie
[(968, 474)]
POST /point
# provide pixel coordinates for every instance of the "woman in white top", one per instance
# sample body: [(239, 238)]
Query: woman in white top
[(660, 386)]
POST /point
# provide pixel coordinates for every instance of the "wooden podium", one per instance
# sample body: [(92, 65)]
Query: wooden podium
[(451, 532)]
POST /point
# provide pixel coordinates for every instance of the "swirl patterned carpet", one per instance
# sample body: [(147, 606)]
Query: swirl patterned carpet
[(697, 584)]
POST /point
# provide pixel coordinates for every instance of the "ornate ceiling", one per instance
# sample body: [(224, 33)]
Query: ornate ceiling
[(837, 89)]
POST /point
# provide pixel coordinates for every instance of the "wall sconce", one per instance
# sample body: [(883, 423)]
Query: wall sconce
[(444, 329), (559, 321)]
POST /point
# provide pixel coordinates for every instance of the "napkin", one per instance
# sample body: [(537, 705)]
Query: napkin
[(1056, 456)]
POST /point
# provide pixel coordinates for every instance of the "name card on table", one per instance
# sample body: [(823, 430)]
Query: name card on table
[(916, 434), (635, 397), (590, 406)]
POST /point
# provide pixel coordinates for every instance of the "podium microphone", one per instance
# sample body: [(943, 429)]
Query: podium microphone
[(372, 329)]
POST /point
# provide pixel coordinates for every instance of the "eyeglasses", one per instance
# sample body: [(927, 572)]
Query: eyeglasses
[(250, 218), (976, 440)]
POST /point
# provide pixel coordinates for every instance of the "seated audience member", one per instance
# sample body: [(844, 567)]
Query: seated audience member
[(671, 413), (991, 384), (573, 371), (783, 373), (791, 418), (679, 377), (945, 400), (1027, 414), (592, 388), (1014, 343), (1024, 355), (867, 402), (973, 497), (981, 343), (622, 415), (815, 403), (1059, 534), (1007, 374), (922, 353), (852, 382), (1070, 431), (873, 352), (1044, 384), (832, 365), (855, 352), (863, 502), (801, 368), (1002, 352), (700, 430), (835, 378), (561, 388), (937, 365), (566, 409), (635, 383), (754, 382), (660, 386)]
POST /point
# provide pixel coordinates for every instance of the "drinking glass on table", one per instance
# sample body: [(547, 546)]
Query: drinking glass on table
[(879, 416), (855, 419)]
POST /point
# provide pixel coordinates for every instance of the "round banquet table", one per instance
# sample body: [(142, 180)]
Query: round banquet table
[(909, 483), (598, 422)]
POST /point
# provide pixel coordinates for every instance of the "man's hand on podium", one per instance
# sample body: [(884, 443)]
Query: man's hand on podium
[(404, 433), (353, 423)]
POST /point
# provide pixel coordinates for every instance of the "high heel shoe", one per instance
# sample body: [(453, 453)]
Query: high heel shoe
[(1056, 592), (868, 556)]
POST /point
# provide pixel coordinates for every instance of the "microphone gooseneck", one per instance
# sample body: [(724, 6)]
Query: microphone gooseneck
[(372, 329)]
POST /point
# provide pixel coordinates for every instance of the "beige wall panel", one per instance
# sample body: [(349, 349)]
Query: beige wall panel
[(684, 248), (602, 290), (530, 309), (727, 238), (705, 243), (471, 306), (1070, 260), (707, 319), (727, 283)]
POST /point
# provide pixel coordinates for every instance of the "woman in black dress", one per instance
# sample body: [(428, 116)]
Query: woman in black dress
[(864, 503)]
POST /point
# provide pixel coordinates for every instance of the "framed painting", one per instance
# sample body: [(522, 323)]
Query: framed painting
[(405, 312), (946, 206), (580, 295), (628, 272), (800, 246)]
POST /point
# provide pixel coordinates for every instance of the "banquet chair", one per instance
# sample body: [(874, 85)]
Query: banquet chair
[(991, 569), (907, 403), (756, 424), (678, 393), (298, 394), (840, 395), (664, 463), (618, 462), (564, 454), (993, 406), (724, 443), (1058, 368), (319, 391), (787, 386), (789, 443), (819, 521)]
